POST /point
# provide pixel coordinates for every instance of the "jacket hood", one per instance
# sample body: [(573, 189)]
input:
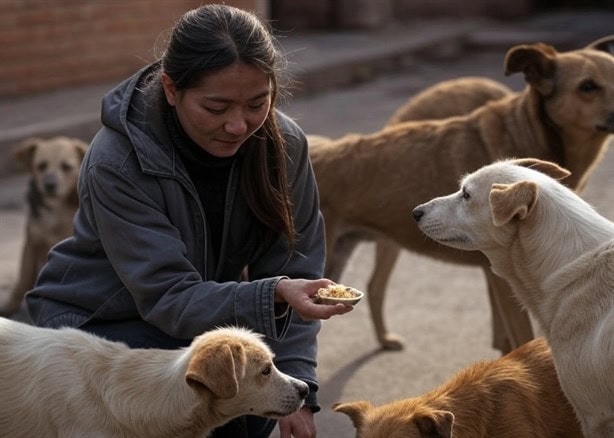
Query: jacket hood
[(116, 103), (133, 109)]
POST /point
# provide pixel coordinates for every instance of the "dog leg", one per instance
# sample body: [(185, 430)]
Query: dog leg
[(27, 277), (386, 254), (510, 322), (500, 340), (339, 256)]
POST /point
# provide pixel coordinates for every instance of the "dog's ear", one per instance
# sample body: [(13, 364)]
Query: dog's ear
[(549, 168), (218, 368), (24, 151), (437, 424), (537, 62), (80, 146), (509, 201), (605, 44), (355, 410)]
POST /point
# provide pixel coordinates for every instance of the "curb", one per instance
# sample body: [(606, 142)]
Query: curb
[(390, 51)]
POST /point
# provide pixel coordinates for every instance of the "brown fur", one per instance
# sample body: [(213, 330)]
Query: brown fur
[(445, 99), (68, 383), (450, 98), (516, 396), (53, 165), (409, 163)]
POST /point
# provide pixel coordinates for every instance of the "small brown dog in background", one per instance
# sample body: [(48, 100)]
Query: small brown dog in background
[(517, 395), (53, 165)]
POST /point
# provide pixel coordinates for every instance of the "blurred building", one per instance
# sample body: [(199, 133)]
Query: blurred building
[(51, 44), (47, 45), (377, 13)]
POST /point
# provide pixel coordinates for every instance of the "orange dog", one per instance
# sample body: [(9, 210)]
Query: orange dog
[(515, 396)]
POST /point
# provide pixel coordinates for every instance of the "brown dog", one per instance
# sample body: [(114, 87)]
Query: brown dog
[(52, 201), (369, 183), (69, 383), (445, 99), (454, 97), (517, 395)]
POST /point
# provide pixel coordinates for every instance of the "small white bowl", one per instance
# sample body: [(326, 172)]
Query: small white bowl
[(325, 299)]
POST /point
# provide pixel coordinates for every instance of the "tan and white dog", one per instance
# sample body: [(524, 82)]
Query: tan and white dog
[(53, 165), (68, 383), (368, 182), (515, 396), (557, 253)]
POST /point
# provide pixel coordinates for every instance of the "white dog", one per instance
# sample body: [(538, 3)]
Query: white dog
[(557, 252), (68, 383)]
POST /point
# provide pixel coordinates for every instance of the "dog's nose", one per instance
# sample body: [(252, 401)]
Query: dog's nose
[(50, 187), (50, 184), (608, 126), (302, 388), (417, 213)]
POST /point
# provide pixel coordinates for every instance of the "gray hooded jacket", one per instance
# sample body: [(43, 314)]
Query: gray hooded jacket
[(140, 248)]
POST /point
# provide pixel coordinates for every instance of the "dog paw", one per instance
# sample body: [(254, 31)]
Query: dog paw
[(391, 342)]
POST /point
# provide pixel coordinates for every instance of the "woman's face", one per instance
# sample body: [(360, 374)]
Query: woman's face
[(225, 109)]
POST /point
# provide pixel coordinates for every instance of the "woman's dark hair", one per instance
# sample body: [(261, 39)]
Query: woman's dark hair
[(208, 39)]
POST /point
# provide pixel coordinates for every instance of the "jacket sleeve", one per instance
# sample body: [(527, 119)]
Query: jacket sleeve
[(297, 354), (148, 255)]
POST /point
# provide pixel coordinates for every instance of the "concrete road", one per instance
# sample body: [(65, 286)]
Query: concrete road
[(440, 310)]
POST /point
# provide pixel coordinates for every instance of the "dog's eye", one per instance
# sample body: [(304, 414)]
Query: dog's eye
[(588, 86), (267, 370), (465, 194), (42, 166), (66, 167)]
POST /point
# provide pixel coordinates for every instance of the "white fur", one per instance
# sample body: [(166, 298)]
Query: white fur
[(68, 383), (557, 252)]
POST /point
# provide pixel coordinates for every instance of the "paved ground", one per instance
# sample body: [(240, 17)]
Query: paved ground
[(440, 310)]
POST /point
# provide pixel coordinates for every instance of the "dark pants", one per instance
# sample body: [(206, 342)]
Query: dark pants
[(139, 334), (247, 426), (136, 333)]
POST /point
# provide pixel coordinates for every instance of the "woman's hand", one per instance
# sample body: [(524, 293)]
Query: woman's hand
[(299, 294), (298, 425)]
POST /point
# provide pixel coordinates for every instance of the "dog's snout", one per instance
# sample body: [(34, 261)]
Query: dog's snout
[(50, 188), (302, 389), (50, 184), (608, 125), (418, 213)]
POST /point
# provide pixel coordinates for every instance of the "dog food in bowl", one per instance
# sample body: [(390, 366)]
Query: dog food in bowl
[(338, 293)]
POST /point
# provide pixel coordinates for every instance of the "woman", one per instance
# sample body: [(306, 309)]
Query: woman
[(194, 182)]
